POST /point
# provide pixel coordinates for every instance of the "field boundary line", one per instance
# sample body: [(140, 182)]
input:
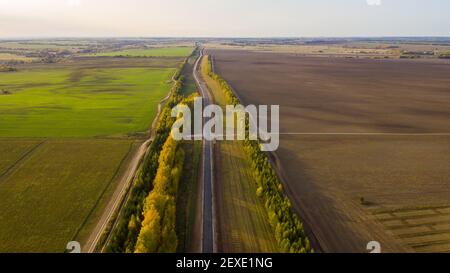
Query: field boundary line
[(415, 217), (408, 209), (102, 194), (429, 243), (425, 233), (23, 158)]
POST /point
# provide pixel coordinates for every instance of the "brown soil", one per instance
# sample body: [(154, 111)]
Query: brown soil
[(383, 136)]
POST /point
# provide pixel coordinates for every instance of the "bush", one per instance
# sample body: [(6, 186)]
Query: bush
[(6, 68), (444, 56), (5, 92)]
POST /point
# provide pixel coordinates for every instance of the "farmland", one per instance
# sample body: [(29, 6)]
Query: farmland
[(60, 101), (364, 146), (12, 151), (72, 175), (8, 57), (69, 128), (150, 52), (42, 45), (243, 226), (342, 48)]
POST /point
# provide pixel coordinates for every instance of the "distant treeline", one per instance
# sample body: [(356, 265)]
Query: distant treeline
[(445, 55), (289, 231), (7, 68), (137, 208)]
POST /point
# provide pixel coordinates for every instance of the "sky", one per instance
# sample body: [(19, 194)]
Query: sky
[(223, 18)]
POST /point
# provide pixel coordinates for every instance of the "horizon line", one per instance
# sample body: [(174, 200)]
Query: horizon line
[(222, 37)]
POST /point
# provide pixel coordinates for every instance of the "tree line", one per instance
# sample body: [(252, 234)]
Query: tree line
[(158, 229), (158, 234), (288, 229), (130, 220), (7, 68)]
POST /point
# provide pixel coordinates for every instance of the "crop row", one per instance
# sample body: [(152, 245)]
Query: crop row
[(289, 231)]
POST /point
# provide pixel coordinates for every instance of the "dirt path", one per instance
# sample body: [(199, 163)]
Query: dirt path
[(117, 200)]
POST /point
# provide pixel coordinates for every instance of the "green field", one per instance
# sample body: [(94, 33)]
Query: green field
[(51, 188), (150, 52), (12, 151), (189, 85), (68, 131), (81, 102)]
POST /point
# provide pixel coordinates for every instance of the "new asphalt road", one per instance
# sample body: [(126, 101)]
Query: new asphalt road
[(208, 245)]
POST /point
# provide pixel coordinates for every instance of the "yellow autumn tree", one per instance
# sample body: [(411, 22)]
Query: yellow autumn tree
[(160, 205), (150, 233)]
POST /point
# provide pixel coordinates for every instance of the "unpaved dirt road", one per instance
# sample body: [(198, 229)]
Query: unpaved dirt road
[(117, 198), (123, 185)]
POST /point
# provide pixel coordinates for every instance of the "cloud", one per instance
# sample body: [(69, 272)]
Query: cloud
[(374, 2)]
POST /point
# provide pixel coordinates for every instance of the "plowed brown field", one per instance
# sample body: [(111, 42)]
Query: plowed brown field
[(365, 144)]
